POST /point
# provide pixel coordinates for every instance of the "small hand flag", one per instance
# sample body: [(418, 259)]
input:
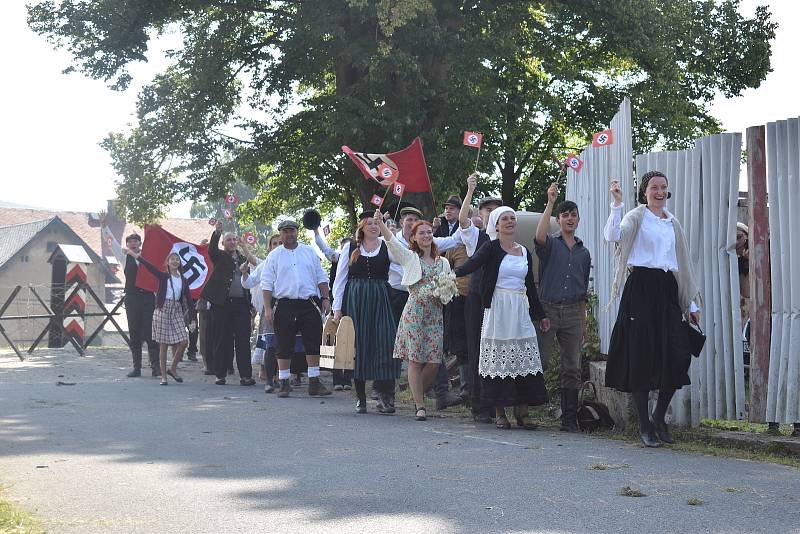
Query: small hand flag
[(249, 238), (387, 174), (227, 213), (326, 231), (473, 139), (574, 162), (212, 221), (604, 138), (231, 198), (377, 200), (398, 189)]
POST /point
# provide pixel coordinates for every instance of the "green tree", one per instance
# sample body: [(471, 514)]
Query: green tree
[(266, 92)]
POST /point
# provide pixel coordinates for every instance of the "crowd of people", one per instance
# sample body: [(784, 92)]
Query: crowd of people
[(394, 282)]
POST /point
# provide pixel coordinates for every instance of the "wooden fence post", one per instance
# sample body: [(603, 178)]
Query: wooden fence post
[(760, 283)]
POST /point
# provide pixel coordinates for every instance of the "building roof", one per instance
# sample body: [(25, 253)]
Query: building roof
[(14, 237), (73, 253), (87, 226)]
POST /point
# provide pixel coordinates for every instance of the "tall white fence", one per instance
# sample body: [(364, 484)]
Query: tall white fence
[(783, 180), (589, 190)]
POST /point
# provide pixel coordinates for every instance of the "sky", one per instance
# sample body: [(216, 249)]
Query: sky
[(51, 123)]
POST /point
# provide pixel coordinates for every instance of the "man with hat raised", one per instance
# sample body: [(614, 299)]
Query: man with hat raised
[(449, 223), (294, 278)]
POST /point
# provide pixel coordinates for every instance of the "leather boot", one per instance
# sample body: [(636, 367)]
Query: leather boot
[(569, 410), (316, 388), (386, 404), (447, 400), (285, 388)]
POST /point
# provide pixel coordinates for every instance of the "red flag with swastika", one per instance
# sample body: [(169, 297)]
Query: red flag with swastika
[(195, 262), (409, 163), (473, 139), (604, 138), (398, 189)]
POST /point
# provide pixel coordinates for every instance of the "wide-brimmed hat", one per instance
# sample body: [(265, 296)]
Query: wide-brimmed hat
[(312, 219), (453, 200), (287, 223)]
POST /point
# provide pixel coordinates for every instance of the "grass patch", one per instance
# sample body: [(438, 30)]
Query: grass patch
[(702, 447), (743, 426), (14, 519), (607, 467), (628, 491), (731, 490), (694, 501)]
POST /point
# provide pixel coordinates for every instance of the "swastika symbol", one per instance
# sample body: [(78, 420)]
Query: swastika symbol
[(473, 139)]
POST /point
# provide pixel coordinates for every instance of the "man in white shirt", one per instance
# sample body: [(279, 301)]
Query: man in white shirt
[(293, 276)]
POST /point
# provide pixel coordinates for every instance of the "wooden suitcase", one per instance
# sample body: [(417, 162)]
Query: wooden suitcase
[(338, 350)]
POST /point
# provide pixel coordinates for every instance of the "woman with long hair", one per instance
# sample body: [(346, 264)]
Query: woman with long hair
[(361, 291), (509, 361), (419, 336), (649, 348), (173, 314)]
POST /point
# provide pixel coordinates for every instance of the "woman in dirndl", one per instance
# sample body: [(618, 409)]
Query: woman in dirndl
[(509, 360), (361, 292), (174, 312), (419, 339), (649, 346)]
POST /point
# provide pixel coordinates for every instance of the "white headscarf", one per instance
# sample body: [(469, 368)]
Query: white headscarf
[(491, 226)]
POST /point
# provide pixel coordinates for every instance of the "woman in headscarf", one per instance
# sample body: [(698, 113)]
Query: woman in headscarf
[(509, 361)]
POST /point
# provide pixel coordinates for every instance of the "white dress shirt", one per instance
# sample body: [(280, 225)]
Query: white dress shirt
[(253, 281), (293, 273), (654, 246), (442, 243), (174, 287), (326, 250)]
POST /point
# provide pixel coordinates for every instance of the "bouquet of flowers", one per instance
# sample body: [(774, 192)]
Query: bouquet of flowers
[(444, 287)]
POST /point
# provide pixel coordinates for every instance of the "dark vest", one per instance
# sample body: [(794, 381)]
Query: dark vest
[(131, 270), (373, 268)]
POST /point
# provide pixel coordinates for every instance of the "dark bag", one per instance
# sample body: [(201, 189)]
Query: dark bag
[(592, 415), (696, 339)]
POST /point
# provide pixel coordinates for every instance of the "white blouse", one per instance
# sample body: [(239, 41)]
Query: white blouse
[(174, 287), (512, 273), (343, 269), (654, 246)]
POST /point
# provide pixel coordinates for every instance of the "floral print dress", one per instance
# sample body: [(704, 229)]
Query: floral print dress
[(419, 336)]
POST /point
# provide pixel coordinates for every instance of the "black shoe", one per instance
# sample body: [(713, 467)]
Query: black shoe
[(209, 373), (285, 389), (650, 439), (220, 382), (374, 395), (297, 381), (155, 372), (247, 382), (175, 377), (482, 418), (361, 405), (386, 405), (191, 357), (662, 431), (447, 400), (135, 373)]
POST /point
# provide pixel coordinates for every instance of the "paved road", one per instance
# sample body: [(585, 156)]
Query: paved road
[(112, 454)]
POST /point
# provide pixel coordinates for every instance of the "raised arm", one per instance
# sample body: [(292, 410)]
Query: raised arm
[(463, 214), (612, 230), (544, 222), (327, 251), (158, 273), (213, 244), (340, 282)]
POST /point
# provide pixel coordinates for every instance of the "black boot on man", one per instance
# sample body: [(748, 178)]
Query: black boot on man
[(569, 410)]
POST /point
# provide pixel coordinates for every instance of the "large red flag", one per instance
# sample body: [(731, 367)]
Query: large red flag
[(409, 164), (158, 243)]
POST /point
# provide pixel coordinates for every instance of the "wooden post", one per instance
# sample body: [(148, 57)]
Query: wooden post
[(760, 284)]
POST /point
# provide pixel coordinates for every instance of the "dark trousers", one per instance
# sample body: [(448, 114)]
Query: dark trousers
[(231, 326), (206, 330), (473, 316), (192, 349), (139, 307), (566, 326), (398, 299)]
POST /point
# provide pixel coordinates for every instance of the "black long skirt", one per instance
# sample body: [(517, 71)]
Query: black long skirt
[(648, 349), (367, 302)]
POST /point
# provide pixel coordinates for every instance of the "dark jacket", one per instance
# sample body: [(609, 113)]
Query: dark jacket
[(444, 229), (226, 267), (489, 256), (163, 282)]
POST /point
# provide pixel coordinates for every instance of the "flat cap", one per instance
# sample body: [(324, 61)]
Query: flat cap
[(490, 200), (287, 223), (410, 210)]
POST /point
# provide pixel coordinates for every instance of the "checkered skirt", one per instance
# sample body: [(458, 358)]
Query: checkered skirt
[(169, 325)]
